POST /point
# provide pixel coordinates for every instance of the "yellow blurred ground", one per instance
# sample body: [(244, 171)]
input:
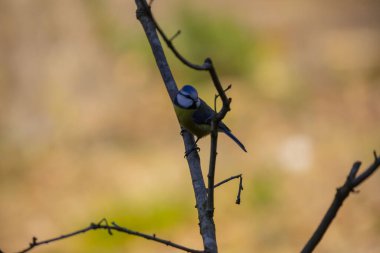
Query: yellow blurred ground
[(87, 130)]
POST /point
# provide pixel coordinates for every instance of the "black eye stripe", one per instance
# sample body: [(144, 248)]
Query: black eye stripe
[(187, 96)]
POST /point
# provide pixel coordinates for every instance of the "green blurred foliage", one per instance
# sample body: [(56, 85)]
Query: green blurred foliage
[(114, 34), (230, 44), (154, 217), (264, 194)]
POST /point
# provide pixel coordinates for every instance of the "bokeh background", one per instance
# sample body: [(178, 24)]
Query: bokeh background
[(87, 130)]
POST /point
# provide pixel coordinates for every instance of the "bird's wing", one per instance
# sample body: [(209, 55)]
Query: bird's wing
[(203, 114)]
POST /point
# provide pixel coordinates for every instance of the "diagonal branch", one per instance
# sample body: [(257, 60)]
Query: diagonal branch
[(342, 193), (206, 66), (206, 223), (114, 227)]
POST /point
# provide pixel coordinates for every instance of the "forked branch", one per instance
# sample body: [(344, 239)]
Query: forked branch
[(206, 222), (206, 66), (240, 177), (353, 180)]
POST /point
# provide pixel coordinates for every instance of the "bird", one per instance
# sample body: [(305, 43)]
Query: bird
[(195, 115)]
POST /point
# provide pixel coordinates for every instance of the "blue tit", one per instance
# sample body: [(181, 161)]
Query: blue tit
[(195, 115)]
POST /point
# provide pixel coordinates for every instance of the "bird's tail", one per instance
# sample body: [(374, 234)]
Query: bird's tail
[(227, 131)]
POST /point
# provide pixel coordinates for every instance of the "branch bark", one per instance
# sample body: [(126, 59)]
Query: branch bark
[(206, 223), (342, 193)]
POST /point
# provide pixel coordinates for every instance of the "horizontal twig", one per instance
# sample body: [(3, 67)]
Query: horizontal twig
[(114, 227), (227, 180)]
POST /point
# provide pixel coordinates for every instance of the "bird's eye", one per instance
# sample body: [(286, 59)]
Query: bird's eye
[(189, 96)]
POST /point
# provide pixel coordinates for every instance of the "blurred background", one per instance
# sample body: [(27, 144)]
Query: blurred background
[(87, 130)]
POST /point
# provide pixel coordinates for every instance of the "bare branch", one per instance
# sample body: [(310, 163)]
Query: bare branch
[(240, 176), (206, 66), (35, 243), (170, 45), (206, 223), (342, 193), (217, 95), (227, 180), (211, 168), (239, 192)]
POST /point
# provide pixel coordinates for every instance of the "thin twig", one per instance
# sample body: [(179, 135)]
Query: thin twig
[(35, 243), (217, 96), (342, 193), (227, 180), (214, 135), (211, 168), (175, 35), (170, 45), (238, 199), (240, 176)]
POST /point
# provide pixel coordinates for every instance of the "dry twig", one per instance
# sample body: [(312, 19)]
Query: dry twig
[(353, 180), (114, 227)]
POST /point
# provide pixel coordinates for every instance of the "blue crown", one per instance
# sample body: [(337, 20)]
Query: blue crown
[(190, 90)]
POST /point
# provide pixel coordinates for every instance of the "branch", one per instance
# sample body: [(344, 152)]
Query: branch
[(240, 176), (169, 43), (214, 137), (206, 223), (342, 193), (114, 227), (206, 66), (227, 180)]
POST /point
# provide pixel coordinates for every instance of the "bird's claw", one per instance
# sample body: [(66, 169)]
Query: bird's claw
[(187, 153)]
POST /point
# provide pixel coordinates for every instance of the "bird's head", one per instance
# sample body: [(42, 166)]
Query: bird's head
[(187, 97)]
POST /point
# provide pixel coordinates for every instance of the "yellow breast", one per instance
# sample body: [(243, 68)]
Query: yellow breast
[(185, 118)]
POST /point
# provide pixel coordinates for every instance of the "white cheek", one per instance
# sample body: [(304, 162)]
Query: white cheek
[(184, 101)]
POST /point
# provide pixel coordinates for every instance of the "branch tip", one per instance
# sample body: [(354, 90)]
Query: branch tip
[(354, 171), (228, 87), (175, 35)]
